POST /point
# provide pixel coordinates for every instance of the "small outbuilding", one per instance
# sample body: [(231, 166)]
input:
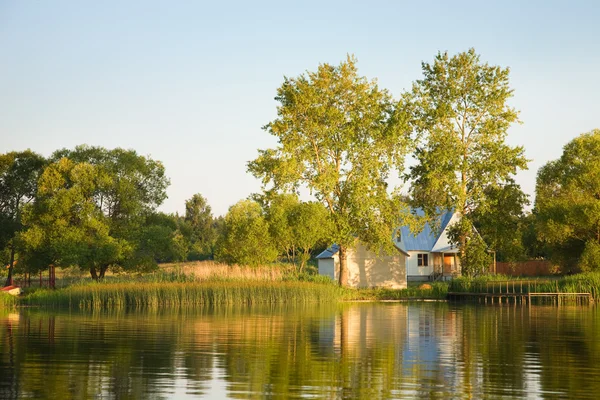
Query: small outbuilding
[(365, 268)]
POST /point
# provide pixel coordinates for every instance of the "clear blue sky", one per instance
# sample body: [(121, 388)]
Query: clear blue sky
[(191, 83)]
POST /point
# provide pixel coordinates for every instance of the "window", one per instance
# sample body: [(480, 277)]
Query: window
[(423, 260)]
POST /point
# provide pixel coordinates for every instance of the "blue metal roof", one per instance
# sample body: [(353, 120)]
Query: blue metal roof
[(328, 253), (427, 238), (424, 241)]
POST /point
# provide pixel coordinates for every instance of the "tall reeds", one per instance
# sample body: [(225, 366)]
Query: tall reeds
[(581, 283), (156, 295), (7, 300)]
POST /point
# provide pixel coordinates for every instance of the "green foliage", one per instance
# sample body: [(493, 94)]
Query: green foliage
[(96, 296), (590, 258), (339, 135), (533, 244), (568, 204), (278, 210), (296, 227), (461, 114), (311, 227), (201, 223), (246, 239), (64, 226), (474, 257), (438, 291), (7, 300), (92, 209), (501, 221), (19, 173), (579, 283)]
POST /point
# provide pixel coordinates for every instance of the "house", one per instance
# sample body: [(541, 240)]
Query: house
[(365, 268), (430, 253), (426, 256)]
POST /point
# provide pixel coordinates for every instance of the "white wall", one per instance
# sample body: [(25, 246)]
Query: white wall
[(327, 267), (366, 269), (413, 268)]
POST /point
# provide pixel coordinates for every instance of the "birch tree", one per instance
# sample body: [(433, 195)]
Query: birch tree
[(462, 116), (340, 136)]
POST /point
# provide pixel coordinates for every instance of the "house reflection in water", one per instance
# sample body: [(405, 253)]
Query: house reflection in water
[(399, 346)]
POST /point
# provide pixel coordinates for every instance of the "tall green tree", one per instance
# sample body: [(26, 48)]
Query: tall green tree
[(278, 210), (245, 238), (568, 205), (502, 221), (158, 239), (199, 219), (462, 116), (64, 225), (310, 227), (19, 174), (131, 188), (340, 136)]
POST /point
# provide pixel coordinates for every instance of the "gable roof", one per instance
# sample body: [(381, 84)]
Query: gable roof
[(426, 240), (428, 237), (329, 252)]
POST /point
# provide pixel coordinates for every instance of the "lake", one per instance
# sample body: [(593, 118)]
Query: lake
[(356, 350)]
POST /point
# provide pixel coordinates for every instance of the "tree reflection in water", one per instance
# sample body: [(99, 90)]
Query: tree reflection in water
[(371, 350)]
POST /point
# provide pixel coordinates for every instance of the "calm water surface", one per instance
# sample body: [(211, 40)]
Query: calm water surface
[(370, 350)]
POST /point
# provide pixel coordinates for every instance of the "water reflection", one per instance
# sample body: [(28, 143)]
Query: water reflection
[(391, 350)]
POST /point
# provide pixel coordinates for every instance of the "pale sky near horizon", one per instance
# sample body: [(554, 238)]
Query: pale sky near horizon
[(191, 83)]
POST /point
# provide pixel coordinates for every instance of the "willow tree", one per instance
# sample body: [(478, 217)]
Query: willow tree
[(131, 188), (64, 226), (340, 136), (568, 205), (462, 115)]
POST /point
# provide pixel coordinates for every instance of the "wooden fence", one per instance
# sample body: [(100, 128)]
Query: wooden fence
[(526, 268)]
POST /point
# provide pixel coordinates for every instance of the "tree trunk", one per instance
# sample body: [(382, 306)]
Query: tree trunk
[(343, 278), (93, 273), (9, 280), (303, 259), (463, 244), (103, 269)]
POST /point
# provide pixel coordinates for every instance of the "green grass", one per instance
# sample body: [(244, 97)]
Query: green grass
[(179, 290), (157, 295), (7, 301), (438, 291), (580, 283)]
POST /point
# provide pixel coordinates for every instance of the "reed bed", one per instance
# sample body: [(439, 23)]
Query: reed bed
[(580, 283), (157, 295), (438, 291), (7, 301)]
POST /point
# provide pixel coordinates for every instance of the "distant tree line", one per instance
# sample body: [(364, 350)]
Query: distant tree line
[(96, 209)]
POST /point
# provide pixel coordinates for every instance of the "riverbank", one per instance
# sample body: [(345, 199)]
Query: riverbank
[(207, 283), (501, 284), (107, 295), (175, 286)]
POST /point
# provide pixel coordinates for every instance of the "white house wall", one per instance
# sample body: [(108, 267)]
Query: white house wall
[(327, 267), (413, 266), (366, 269)]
